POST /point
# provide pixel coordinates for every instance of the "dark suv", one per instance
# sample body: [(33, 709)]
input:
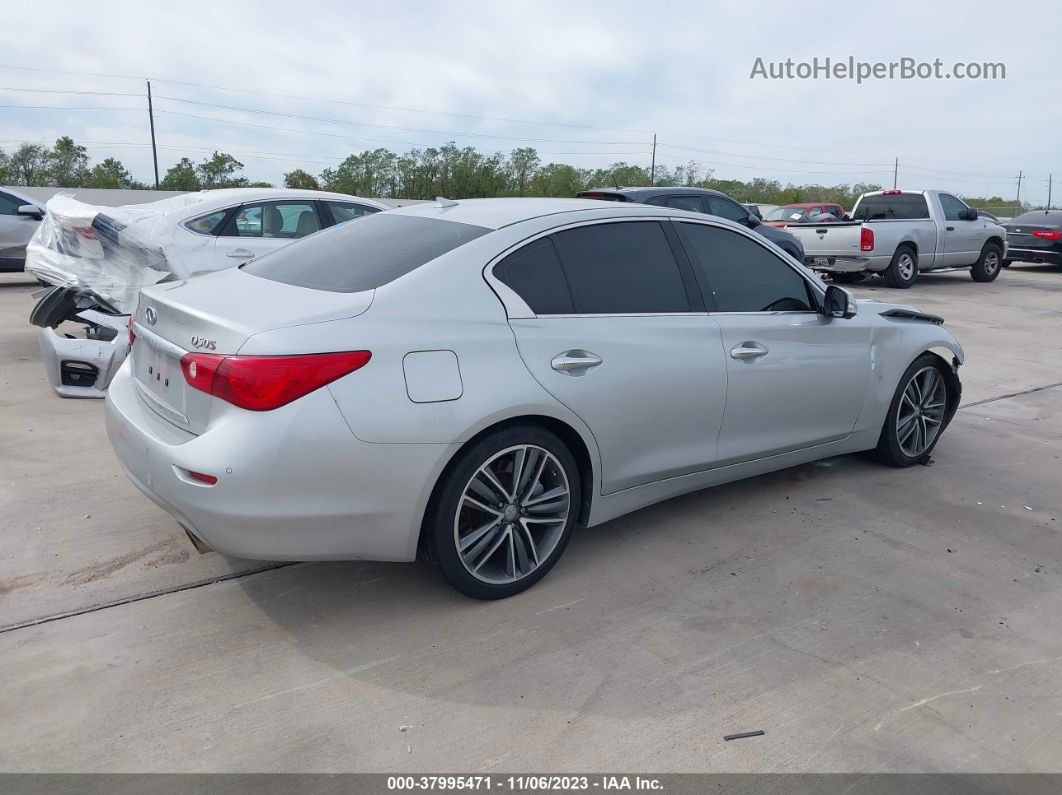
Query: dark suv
[(701, 200)]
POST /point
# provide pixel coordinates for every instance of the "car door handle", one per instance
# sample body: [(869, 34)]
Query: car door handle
[(748, 350), (240, 253), (949, 228), (576, 361)]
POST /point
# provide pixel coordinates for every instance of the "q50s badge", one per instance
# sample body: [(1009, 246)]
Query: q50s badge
[(204, 344)]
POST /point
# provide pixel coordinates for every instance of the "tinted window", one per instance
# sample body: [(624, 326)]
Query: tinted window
[(9, 204), (692, 203), (742, 275), (206, 224), (535, 274), (1038, 217), (726, 209), (907, 206), (951, 206), (347, 211), (363, 256), (622, 268), (290, 220), (657, 200)]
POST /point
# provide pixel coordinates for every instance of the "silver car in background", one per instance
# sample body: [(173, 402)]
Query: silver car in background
[(466, 381)]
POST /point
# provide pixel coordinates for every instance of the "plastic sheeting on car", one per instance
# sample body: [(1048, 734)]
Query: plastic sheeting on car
[(110, 252)]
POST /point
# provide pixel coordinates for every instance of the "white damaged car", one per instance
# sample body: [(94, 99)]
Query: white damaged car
[(96, 259)]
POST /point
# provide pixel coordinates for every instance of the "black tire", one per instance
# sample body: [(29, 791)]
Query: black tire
[(449, 510), (903, 269), (988, 265), (847, 278), (891, 449), (1007, 263)]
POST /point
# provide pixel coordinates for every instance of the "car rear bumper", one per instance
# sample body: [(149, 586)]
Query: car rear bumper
[(293, 483), (80, 367), (830, 263), (1034, 255)]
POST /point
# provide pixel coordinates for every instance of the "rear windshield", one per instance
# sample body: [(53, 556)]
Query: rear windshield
[(1051, 218), (364, 255), (897, 206)]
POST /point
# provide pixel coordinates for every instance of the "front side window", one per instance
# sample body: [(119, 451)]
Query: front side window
[(9, 204), (376, 250), (289, 220), (952, 207), (741, 275), (534, 273), (348, 211), (622, 268), (722, 208), (206, 224)]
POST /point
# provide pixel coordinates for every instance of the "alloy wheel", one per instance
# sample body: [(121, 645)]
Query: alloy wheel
[(921, 413), (512, 514), (991, 264), (906, 266)]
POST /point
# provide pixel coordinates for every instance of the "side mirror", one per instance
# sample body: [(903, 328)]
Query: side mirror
[(969, 214), (753, 221), (838, 303), (32, 210)]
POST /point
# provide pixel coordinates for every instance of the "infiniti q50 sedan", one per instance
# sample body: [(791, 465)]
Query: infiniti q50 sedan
[(465, 382)]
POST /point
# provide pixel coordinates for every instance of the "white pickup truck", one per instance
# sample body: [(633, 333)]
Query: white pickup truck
[(898, 233)]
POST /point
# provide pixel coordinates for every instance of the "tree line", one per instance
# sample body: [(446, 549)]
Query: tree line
[(448, 170)]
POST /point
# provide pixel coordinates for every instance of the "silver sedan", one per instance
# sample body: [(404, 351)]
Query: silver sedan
[(465, 382)]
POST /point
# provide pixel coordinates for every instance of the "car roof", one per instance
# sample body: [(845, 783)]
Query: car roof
[(230, 195), (809, 204), (497, 213), (656, 191)]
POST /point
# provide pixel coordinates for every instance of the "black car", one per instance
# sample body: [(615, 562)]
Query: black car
[(1035, 237), (701, 200)]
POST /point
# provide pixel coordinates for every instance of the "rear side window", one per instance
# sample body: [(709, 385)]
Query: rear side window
[(348, 211), (535, 274), (691, 203), (622, 268), (742, 275), (897, 206), (378, 249), (206, 224)]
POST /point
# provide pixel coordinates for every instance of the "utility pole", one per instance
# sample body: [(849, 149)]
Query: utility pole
[(154, 151), (895, 172), (1049, 191), (1018, 199), (652, 169)]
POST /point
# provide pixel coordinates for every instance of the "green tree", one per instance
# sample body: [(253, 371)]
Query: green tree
[(111, 173), (67, 163), (221, 170), (6, 174), (523, 163), (181, 176), (301, 179), (29, 165), (259, 184)]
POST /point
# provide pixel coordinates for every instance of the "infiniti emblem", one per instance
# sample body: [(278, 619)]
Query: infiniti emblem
[(151, 315)]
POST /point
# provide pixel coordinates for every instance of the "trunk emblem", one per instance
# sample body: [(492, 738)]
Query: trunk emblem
[(202, 342), (151, 315)]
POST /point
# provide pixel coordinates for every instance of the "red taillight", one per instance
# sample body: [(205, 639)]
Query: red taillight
[(132, 331), (891, 192), (87, 232), (262, 383), (1047, 234), (866, 239)]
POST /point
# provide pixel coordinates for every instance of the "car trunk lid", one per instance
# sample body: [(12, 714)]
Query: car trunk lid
[(216, 314)]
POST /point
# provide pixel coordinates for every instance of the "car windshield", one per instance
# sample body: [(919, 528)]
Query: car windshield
[(786, 214), (349, 258)]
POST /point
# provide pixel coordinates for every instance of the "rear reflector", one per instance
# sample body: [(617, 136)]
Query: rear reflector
[(866, 239), (210, 480), (891, 192), (1048, 234), (263, 383), (132, 331)]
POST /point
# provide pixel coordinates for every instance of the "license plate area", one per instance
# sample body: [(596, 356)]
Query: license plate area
[(821, 262)]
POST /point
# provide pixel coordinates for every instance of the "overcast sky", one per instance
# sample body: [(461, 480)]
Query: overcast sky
[(613, 71)]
